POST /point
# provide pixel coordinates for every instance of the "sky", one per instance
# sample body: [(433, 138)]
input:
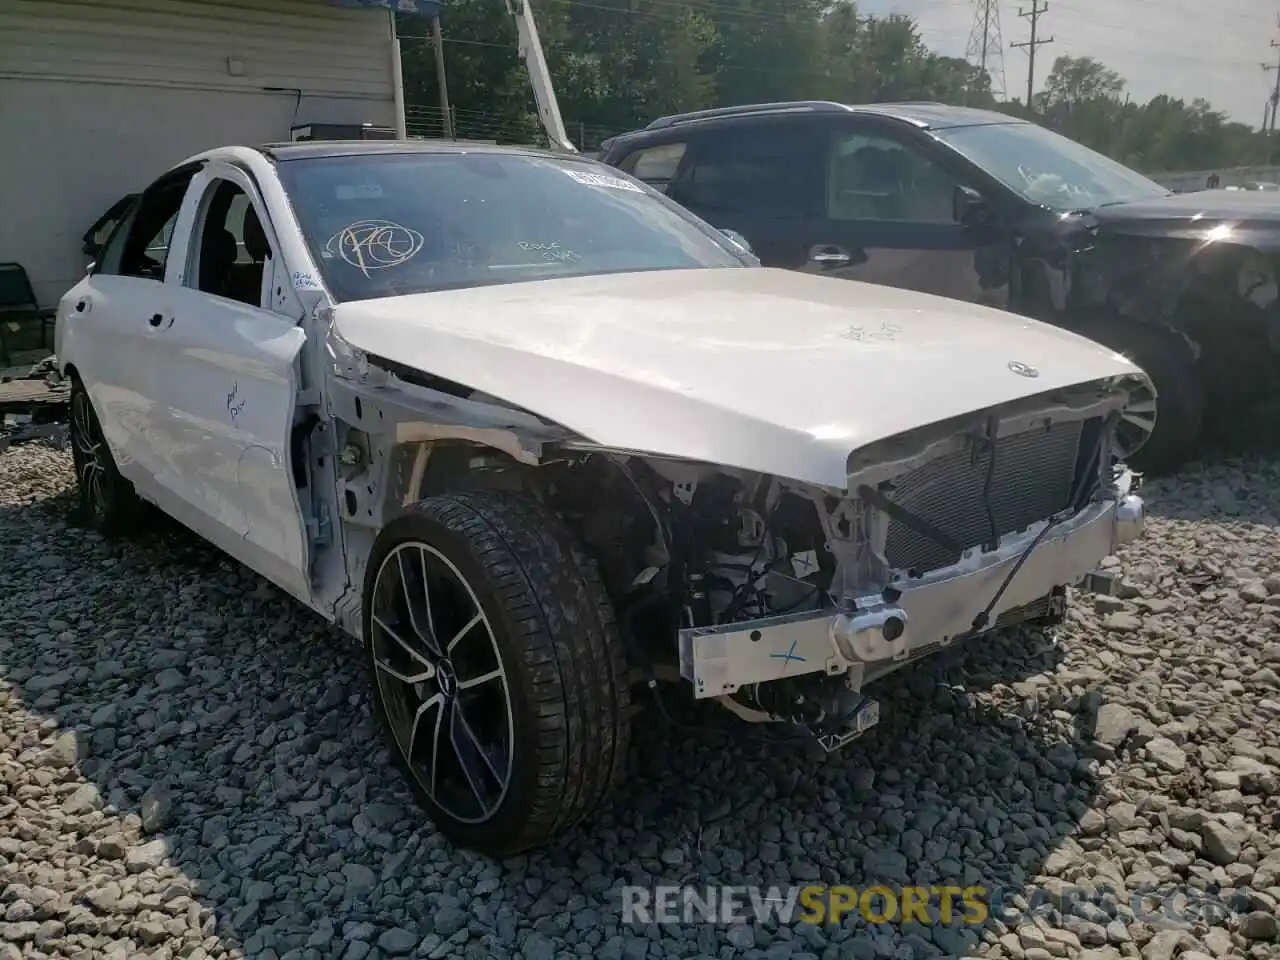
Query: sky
[(1184, 48)]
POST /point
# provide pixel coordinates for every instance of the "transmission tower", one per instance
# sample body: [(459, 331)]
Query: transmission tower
[(986, 46)]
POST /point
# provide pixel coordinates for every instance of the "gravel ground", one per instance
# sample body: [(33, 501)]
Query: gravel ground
[(188, 769)]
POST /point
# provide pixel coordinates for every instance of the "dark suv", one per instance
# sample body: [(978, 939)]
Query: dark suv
[(980, 206)]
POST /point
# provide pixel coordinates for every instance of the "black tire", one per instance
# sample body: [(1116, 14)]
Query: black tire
[(556, 642), (105, 501), (1180, 400)]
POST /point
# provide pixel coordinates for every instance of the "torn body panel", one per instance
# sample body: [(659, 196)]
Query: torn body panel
[(945, 531), (386, 433), (1208, 281)]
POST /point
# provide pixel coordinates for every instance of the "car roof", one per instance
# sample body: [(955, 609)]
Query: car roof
[(353, 148), (926, 115)]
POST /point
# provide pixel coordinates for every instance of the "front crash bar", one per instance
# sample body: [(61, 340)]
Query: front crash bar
[(927, 612)]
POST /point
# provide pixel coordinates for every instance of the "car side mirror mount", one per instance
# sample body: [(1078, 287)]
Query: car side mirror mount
[(970, 208), (975, 215), (738, 240)]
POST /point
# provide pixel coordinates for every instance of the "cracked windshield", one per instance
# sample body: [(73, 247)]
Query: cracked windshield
[(399, 224)]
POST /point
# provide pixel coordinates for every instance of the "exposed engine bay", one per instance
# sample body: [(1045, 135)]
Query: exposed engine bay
[(780, 599), (702, 547), (708, 554)]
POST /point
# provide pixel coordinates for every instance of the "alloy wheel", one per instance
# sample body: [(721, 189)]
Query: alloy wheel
[(88, 455), (1137, 422), (441, 678)]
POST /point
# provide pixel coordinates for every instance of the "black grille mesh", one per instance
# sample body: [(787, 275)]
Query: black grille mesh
[(1034, 476)]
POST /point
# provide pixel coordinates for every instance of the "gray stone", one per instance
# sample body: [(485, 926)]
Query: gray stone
[(1167, 755), (83, 800), (1222, 844), (1114, 723), (1258, 925), (397, 942), (148, 856)]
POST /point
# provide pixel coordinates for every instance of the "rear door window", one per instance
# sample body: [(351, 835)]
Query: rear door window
[(763, 170), (656, 165)]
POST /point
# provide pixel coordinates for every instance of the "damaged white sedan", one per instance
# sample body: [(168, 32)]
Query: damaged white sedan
[(533, 435)]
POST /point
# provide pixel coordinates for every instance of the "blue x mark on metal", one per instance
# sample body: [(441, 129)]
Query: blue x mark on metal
[(789, 656)]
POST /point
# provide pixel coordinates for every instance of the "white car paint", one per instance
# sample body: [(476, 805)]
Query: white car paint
[(762, 369), (107, 337), (197, 407)]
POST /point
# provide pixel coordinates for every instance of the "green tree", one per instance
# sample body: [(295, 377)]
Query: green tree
[(1078, 80), (619, 63)]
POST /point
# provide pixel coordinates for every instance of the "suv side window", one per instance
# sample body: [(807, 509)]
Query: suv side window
[(753, 169), (656, 166), (871, 176), (140, 246)]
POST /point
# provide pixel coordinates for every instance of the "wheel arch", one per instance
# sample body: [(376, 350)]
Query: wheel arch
[(1171, 361)]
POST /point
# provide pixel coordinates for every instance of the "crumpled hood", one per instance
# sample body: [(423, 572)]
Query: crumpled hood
[(1207, 218), (761, 369), (1238, 205)]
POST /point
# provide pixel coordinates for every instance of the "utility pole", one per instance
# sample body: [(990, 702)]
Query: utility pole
[(1275, 97), (1033, 44)]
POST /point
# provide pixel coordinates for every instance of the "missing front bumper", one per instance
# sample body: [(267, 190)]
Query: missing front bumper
[(915, 617)]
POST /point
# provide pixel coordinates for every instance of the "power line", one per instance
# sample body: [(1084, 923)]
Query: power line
[(1166, 7), (985, 49), (1033, 44)]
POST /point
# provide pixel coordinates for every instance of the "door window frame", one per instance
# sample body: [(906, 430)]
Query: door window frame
[(195, 209), (912, 140), (122, 234), (775, 129)]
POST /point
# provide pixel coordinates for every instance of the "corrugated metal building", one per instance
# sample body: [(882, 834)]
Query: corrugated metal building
[(98, 97)]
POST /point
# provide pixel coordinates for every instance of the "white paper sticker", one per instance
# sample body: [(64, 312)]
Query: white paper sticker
[(305, 281), (603, 180)]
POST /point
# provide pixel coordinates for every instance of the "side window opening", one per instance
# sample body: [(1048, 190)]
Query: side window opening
[(140, 247), (656, 166), (97, 236), (874, 177), (753, 171), (233, 253), (113, 249)]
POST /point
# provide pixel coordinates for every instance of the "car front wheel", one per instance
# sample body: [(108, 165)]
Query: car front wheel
[(1180, 401), (498, 673), (106, 501)]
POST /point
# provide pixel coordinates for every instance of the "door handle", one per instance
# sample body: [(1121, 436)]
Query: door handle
[(827, 256)]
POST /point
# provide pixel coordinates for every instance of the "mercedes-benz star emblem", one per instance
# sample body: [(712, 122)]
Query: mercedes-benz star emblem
[(1022, 369)]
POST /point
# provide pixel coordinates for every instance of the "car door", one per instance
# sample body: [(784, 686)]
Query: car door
[(762, 178), (227, 389), (892, 215), (106, 323)]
